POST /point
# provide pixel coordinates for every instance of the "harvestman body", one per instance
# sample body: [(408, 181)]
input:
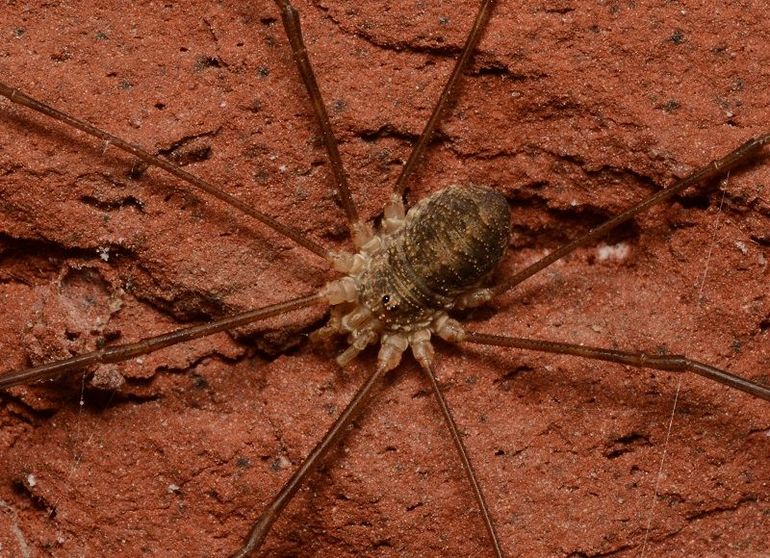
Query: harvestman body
[(400, 286)]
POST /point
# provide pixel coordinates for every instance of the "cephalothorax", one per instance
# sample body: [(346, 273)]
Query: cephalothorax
[(404, 279)]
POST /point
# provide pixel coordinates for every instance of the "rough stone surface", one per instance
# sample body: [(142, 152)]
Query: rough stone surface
[(573, 110)]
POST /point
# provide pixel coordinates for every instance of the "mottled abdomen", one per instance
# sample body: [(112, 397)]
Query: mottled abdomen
[(456, 238), (449, 243)]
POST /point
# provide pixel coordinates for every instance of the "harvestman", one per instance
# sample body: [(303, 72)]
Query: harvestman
[(354, 314)]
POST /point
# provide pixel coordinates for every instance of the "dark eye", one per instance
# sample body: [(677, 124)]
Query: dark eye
[(385, 301)]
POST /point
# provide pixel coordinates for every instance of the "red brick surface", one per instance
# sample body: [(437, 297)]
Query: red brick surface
[(573, 109)]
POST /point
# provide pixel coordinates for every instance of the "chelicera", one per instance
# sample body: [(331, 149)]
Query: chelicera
[(408, 313)]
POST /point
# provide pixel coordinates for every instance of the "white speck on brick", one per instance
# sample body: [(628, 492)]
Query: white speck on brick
[(617, 252)]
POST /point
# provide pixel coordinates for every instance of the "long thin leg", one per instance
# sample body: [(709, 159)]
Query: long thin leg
[(438, 111), (672, 363), (467, 466), (120, 353), (23, 99), (705, 173), (291, 24), (262, 527)]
